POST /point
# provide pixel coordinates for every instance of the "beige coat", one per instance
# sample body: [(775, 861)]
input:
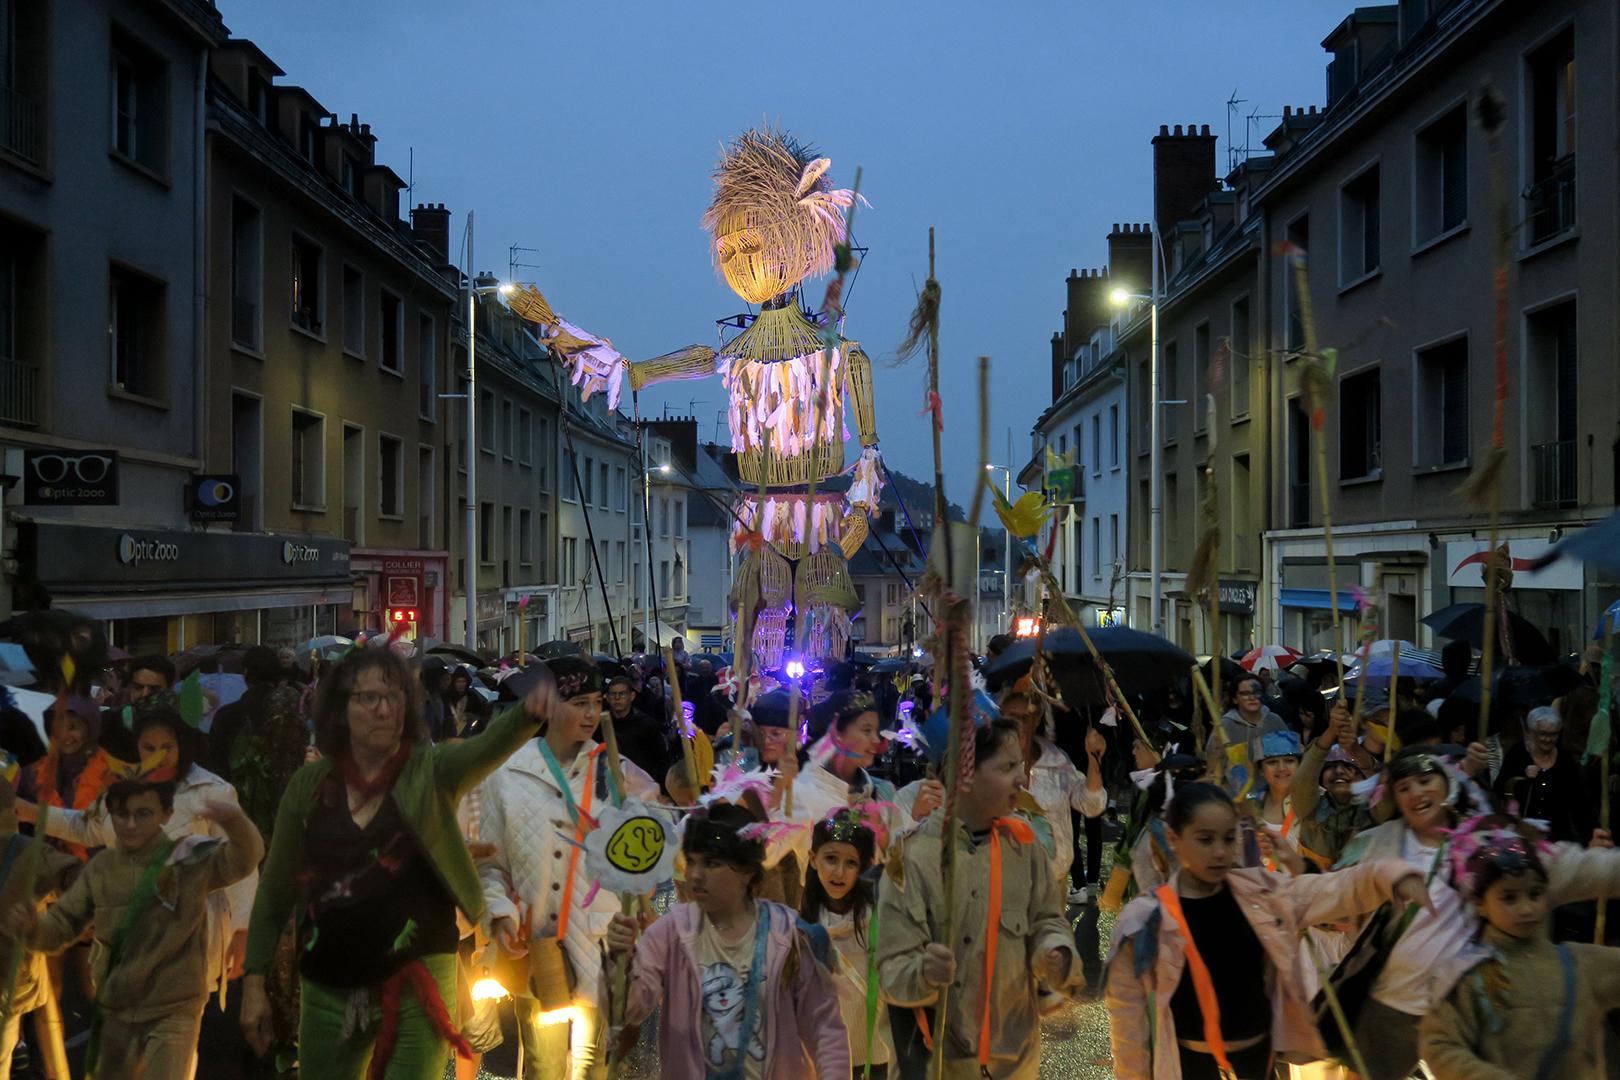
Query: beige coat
[(1031, 923), (1279, 907), (1473, 1034)]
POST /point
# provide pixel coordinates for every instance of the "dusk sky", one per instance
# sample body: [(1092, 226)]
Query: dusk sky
[(588, 131)]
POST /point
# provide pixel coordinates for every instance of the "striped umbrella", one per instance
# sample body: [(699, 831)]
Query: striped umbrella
[(1269, 658)]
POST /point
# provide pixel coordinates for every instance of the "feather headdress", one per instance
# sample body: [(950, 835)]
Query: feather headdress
[(775, 216), (1483, 841)]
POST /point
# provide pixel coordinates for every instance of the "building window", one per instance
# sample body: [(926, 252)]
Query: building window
[(247, 272), (1441, 175), (139, 105), (663, 515), (1169, 390), (1442, 404), (1239, 350), (621, 489), (391, 317), (663, 579), (1550, 199), (391, 481), (570, 561), (135, 330), (543, 455), (1358, 227), (1299, 243), (1113, 543), (354, 483), (1096, 548), (602, 485), (486, 533), (618, 561), (354, 312), (308, 136), (426, 478), (525, 537), (589, 480), (1096, 444), (525, 437), (508, 431), (486, 421), (1243, 542), (506, 545), (1172, 523), (308, 312), (1144, 400), (570, 478), (1113, 436), (1200, 385), (1552, 405), (680, 577), (1360, 426), (308, 460), (427, 367), (540, 537), (679, 512)]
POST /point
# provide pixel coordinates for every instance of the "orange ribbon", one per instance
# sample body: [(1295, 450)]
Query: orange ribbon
[(580, 829), (1208, 1004), (1019, 830)]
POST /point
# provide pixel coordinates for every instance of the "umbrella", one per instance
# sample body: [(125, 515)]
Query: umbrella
[(224, 688), (892, 666), (1231, 670), (1141, 662), (1269, 658), (37, 707), (1416, 667), (457, 653), (1524, 687), (1608, 622), (551, 650), (861, 659), (15, 667), (325, 645), (515, 684), (1466, 622), (1598, 546)]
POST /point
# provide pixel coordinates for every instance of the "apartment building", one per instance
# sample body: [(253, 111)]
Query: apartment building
[(1390, 192), (327, 321)]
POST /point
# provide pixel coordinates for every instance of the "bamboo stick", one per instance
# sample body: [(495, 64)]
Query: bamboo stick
[(619, 989)]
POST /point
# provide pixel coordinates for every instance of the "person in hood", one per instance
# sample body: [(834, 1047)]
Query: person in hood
[(1234, 751), (75, 771)]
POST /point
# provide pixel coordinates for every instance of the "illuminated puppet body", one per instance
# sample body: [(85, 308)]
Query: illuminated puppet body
[(775, 221)]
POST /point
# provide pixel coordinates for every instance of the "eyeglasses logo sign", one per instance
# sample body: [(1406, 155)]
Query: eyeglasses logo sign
[(216, 498), (70, 478)]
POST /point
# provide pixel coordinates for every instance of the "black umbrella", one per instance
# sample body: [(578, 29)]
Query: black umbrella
[(1142, 663), (1466, 622), (551, 650), (1523, 687), (461, 655), (892, 666)]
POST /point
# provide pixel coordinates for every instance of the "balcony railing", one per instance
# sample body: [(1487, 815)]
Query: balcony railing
[(19, 393), (1553, 474), (244, 321), (1550, 202), (19, 124)]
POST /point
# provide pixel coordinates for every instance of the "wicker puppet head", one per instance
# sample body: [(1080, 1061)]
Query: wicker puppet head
[(775, 217)]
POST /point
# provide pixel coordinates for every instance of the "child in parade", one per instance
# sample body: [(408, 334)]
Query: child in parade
[(1325, 807), (1054, 782), (835, 773), (147, 898), (1430, 799), (1202, 978), (533, 884), (1270, 805), (839, 898), (1008, 921), (743, 984), (54, 874), (76, 770), (1521, 1006)]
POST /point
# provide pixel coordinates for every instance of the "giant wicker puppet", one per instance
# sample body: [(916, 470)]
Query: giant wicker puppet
[(774, 223)]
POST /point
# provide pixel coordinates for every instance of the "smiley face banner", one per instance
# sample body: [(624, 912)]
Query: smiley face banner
[(632, 848)]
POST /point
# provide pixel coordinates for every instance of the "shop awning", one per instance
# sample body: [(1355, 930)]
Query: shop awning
[(139, 606), (1318, 599)]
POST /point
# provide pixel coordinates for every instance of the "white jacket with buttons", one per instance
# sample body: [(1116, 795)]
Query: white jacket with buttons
[(524, 814)]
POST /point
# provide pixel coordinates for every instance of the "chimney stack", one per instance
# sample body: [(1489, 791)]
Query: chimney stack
[(1183, 173), (431, 224), (1130, 258)]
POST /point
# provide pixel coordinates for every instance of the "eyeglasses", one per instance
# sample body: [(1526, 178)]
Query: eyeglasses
[(89, 468), (1245, 693), (370, 699)]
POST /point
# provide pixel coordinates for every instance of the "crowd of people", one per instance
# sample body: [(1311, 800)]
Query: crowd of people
[(328, 875)]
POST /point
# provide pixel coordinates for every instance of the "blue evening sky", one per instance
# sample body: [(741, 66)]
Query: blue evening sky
[(588, 131)]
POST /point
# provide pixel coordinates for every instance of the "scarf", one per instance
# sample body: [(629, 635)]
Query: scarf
[(370, 789)]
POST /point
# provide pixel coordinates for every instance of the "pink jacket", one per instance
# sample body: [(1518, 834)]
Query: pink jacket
[(1279, 907), (800, 1019)]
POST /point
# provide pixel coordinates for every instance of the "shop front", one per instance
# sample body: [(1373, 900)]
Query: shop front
[(1554, 599), (388, 582), (162, 591)]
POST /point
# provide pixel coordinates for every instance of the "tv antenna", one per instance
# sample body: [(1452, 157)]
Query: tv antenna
[(513, 262)]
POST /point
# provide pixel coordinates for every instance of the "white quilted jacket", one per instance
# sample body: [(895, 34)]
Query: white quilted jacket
[(525, 816)]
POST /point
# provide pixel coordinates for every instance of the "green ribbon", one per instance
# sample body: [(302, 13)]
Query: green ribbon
[(871, 991)]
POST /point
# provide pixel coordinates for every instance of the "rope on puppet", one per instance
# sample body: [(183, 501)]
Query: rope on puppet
[(590, 535)]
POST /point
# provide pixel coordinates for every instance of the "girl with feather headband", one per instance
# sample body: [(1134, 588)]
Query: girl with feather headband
[(1520, 1006), (1432, 796)]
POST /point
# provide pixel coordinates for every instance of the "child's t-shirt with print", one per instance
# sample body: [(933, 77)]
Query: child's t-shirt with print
[(723, 971)]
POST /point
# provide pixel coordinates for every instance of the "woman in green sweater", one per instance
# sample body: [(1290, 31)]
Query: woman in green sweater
[(367, 854)]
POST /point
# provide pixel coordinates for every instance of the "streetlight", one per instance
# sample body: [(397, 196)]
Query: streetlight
[(1120, 298), (481, 285), (1006, 572)]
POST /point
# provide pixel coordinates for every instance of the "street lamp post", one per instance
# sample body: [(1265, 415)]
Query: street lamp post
[(648, 643), (483, 283), (1120, 298)]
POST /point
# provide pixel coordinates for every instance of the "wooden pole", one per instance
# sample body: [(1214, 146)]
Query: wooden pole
[(680, 721), (619, 988)]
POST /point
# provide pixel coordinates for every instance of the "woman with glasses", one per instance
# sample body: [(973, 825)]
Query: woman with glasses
[(368, 855), (1545, 782), (1235, 747)]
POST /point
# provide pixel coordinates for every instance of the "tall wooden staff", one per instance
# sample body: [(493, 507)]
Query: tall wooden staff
[(1485, 483), (619, 989)]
